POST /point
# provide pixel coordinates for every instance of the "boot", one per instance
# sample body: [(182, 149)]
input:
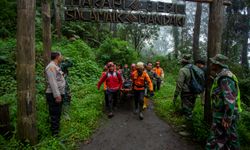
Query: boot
[(145, 103), (141, 116)]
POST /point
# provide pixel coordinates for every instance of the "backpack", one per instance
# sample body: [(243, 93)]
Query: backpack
[(197, 81)]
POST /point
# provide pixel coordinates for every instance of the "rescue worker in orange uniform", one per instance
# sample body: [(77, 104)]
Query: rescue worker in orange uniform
[(140, 78), (160, 76)]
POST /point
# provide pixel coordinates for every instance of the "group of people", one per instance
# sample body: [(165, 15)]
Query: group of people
[(144, 78), (225, 97), (225, 93)]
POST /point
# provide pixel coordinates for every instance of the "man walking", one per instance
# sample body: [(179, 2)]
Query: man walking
[(114, 83), (160, 76), (140, 78), (55, 91), (225, 96), (182, 87)]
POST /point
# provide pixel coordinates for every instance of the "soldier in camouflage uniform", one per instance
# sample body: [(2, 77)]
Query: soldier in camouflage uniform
[(182, 87), (126, 72), (65, 65), (153, 76), (225, 96)]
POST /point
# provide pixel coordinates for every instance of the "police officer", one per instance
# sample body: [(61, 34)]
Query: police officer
[(55, 90)]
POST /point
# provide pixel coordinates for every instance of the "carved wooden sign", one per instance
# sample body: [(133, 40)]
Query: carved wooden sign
[(136, 5), (125, 11)]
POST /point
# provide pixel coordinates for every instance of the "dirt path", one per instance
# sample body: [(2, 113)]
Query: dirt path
[(126, 132)]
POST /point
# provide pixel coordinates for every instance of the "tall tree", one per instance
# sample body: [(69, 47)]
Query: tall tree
[(26, 110), (176, 41), (139, 34), (57, 6), (196, 35), (46, 27), (214, 47), (244, 52)]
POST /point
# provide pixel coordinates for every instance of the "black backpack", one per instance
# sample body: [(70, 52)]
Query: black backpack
[(197, 82)]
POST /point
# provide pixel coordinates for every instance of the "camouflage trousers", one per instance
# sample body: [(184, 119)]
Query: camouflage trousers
[(221, 138), (187, 104)]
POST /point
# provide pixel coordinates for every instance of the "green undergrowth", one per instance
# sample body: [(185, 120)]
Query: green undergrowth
[(197, 127), (86, 105)]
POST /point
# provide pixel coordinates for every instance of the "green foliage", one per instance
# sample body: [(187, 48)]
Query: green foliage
[(198, 128), (244, 85), (86, 105), (7, 67), (244, 128), (7, 18), (170, 66), (92, 33), (85, 67), (117, 51)]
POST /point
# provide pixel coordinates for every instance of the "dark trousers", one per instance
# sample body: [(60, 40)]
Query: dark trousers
[(157, 85), (188, 103), (139, 96), (55, 110), (112, 98), (106, 99)]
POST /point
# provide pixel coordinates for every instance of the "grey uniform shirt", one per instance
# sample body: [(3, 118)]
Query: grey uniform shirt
[(183, 81), (55, 80)]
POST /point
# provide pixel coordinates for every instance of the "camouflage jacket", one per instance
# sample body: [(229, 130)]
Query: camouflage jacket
[(152, 75), (182, 84), (224, 94)]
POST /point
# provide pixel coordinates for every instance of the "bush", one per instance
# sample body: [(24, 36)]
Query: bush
[(86, 105), (198, 128), (244, 85), (117, 51)]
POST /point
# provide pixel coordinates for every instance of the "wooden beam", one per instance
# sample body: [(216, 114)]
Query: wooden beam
[(226, 2), (201, 1)]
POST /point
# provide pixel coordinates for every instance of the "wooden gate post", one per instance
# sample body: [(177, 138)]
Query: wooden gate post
[(26, 110), (215, 28)]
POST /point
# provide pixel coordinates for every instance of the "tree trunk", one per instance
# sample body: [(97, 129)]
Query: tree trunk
[(57, 4), (214, 47), (26, 110), (46, 27), (196, 36), (226, 36), (176, 41), (244, 52)]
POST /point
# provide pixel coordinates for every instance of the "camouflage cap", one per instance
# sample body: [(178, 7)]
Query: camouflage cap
[(219, 59), (186, 58)]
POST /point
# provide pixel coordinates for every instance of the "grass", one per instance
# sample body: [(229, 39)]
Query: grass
[(200, 131)]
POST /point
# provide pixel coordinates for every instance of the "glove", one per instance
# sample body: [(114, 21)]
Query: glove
[(152, 94)]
